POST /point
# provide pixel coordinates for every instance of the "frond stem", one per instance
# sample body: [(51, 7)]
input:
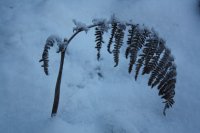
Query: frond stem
[(59, 78)]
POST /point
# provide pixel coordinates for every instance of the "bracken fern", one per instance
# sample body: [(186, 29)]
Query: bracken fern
[(144, 49)]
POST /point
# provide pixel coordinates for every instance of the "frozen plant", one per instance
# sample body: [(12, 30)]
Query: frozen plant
[(144, 49)]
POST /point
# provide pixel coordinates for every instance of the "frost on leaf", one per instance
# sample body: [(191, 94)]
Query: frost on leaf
[(103, 23), (62, 46), (50, 42), (54, 39), (113, 19), (80, 26)]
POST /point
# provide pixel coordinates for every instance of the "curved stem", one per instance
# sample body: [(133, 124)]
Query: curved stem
[(78, 31), (59, 78)]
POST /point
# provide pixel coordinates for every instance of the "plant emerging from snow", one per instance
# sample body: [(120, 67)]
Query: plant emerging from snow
[(145, 49)]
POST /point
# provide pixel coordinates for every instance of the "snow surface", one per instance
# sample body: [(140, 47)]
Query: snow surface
[(90, 103)]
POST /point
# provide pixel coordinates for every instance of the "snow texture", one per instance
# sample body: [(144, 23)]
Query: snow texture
[(95, 97)]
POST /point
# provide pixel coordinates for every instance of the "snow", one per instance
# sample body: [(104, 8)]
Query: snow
[(91, 103)]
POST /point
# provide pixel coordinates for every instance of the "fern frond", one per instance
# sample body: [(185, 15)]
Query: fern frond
[(99, 40), (168, 93), (130, 39), (138, 66), (144, 35), (51, 40), (114, 28), (119, 36), (143, 56), (145, 50), (154, 60), (152, 43), (171, 74), (169, 99), (160, 66), (163, 72), (135, 46), (167, 86)]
